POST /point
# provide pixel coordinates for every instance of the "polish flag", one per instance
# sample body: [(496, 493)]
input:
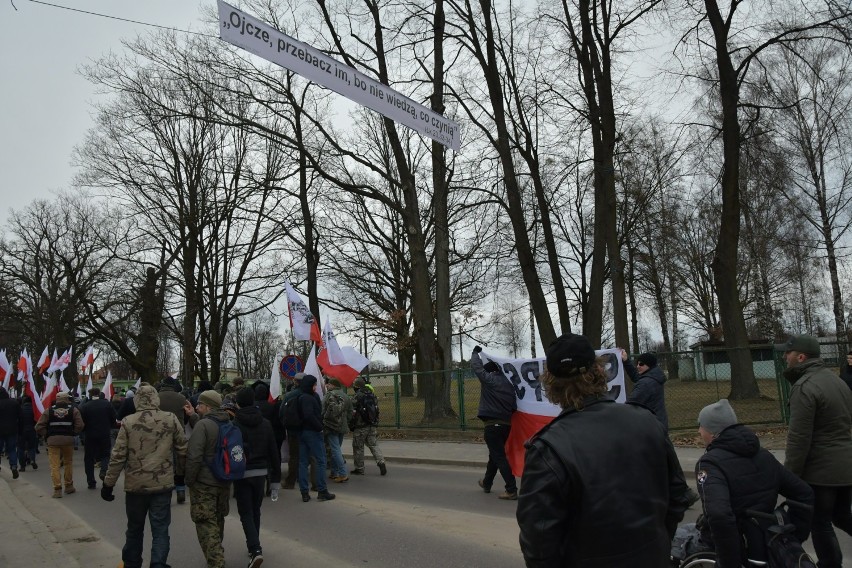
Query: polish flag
[(138, 383), (312, 368), (63, 386), (533, 414), (275, 379), (50, 391), (29, 387), (5, 371), (108, 390), (43, 361), (89, 386), (54, 361), (302, 321), (88, 359), (346, 372), (24, 363)]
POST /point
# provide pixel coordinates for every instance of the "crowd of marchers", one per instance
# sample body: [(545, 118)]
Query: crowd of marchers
[(213, 445)]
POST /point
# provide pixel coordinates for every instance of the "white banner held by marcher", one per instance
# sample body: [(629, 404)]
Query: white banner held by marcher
[(245, 31)]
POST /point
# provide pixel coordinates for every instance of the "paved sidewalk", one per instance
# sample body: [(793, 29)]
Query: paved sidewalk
[(46, 535)]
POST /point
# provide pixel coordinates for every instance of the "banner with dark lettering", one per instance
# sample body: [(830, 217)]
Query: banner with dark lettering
[(245, 31), (534, 410)]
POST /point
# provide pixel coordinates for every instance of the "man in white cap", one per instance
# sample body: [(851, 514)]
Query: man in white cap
[(736, 474)]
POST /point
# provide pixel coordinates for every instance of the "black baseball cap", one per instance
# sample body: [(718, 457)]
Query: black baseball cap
[(569, 352)]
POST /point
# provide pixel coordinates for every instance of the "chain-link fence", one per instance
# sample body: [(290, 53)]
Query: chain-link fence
[(695, 379)]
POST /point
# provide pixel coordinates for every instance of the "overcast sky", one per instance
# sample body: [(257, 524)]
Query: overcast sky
[(46, 103)]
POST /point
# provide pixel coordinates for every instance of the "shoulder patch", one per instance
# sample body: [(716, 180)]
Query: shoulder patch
[(701, 477)]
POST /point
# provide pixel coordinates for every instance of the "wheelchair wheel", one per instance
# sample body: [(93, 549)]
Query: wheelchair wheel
[(699, 560)]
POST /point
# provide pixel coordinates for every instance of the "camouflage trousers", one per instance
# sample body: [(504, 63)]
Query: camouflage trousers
[(208, 507), (365, 435)]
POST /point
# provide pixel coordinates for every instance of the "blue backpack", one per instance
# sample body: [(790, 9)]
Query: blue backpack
[(229, 458)]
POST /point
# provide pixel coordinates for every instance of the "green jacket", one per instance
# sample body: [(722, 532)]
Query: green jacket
[(819, 439), (202, 448), (144, 446), (336, 411)]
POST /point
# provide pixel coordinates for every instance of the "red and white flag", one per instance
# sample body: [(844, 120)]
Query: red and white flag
[(332, 348), (43, 361), (64, 360), (29, 387), (51, 389), (275, 379), (108, 390), (138, 383), (534, 411), (89, 386), (54, 362), (24, 363), (312, 368), (88, 359), (351, 366), (302, 321), (63, 386), (5, 371)]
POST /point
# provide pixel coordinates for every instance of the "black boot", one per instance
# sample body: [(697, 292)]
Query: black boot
[(325, 496), (306, 496)]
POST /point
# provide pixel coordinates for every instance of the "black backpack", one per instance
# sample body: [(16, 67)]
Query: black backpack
[(291, 412), (369, 409)]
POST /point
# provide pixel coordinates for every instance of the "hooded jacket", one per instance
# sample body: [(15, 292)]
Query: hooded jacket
[(497, 399), (648, 390), (27, 420), (202, 448), (735, 474), (99, 416), (264, 458), (10, 414), (310, 405), (819, 438), (336, 411), (581, 487), (144, 446)]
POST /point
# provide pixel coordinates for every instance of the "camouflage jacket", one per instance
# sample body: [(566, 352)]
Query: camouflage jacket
[(143, 448), (336, 411)]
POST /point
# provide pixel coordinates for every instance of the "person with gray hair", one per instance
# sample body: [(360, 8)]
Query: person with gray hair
[(819, 442), (735, 475)]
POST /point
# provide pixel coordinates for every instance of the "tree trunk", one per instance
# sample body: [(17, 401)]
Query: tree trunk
[(724, 265)]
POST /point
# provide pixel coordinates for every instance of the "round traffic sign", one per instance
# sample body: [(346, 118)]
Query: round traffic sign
[(291, 364)]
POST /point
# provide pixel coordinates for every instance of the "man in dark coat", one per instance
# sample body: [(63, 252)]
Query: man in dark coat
[(602, 486), (10, 416), (497, 402), (311, 443), (735, 475), (819, 442), (264, 462), (27, 437), (99, 418), (648, 385)]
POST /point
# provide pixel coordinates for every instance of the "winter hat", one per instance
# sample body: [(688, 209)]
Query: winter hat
[(308, 383), (229, 405), (491, 367), (717, 416), (244, 397), (648, 359), (298, 377), (359, 383), (63, 397), (568, 353), (211, 398)]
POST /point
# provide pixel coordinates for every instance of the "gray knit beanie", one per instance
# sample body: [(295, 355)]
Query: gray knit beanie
[(717, 416)]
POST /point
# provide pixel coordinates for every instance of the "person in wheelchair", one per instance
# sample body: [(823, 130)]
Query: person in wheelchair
[(735, 476)]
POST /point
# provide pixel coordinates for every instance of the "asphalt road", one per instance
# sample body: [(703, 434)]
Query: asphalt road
[(416, 516)]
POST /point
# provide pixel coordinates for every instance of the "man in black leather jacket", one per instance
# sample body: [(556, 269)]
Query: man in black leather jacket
[(602, 485), (736, 475)]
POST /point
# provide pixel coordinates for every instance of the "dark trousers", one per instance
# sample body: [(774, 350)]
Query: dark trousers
[(495, 438), (27, 446), (157, 508), (831, 506), (95, 449), (249, 493), (10, 446)]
